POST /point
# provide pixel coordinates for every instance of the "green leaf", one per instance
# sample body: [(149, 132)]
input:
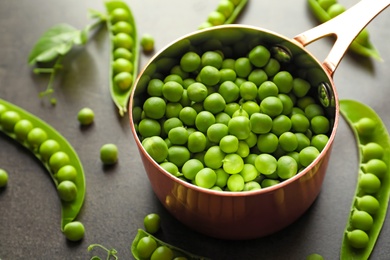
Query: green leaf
[(57, 40)]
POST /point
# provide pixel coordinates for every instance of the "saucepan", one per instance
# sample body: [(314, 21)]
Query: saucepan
[(253, 214)]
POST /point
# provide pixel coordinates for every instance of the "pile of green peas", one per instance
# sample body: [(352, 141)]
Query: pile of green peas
[(56, 155), (231, 124), (372, 191), (225, 13)]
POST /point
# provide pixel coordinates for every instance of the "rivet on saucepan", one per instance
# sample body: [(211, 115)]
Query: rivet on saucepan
[(281, 53), (324, 94)]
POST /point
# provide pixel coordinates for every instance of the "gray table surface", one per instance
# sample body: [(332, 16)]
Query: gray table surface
[(119, 197)]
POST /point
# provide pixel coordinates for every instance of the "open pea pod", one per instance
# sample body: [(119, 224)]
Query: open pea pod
[(361, 45), (177, 252), (70, 209), (120, 87), (367, 216)]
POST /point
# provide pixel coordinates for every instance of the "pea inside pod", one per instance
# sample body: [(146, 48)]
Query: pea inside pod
[(326, 10), (372, 193), (55, 153), (226, 12), (147, 246), (124, 52)]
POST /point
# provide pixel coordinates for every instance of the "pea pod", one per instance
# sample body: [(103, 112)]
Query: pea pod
[(177, 252), (32, 133), (124, 52), (372, 193), (226, 12), (325, 10)]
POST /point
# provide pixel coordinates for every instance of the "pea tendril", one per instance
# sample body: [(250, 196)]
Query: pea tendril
[(110, 252)]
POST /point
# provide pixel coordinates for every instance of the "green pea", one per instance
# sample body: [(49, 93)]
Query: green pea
[(259, 56), (152, 223), (216, 132), (122, 27), (335, 9), (36, 137), (197, 142), (287, 103), (314, 257), (85, 116), (154, 107), (248, 90), (109, 154), (267, 143), (235, 182), (287, 167), (190, 61), (173, 77), (361, 220), (358, 238), (170, 167), (225, 7), (149, 127), (372, 150), (122, 53), (243, 67), (368, 204), (9, 119), (156, 147), (67, 190), (281, 124), (216, 18), (213, 157), (320, 124), (57, 160), (269, 182), (172, 91), (376, 167), (162, 253), (123, 80), (258, 76), (260, 123), (272, 67), (22, 128), (178, 155), (240, 127), (284, 81), (191, 168), (369, 183), (307, 155), (171, 123), (249, 172), (267, 89), (206, 178), (173, 109), (209, 75), (300, 87), (233, 163), (299, 123), (211, 58), (74, 231), (365, 126), (146, 246), (123, 40), (3, 178), (119, 14), (288, 141), (271, 106), (147, 42), (319, 141), (204, 120), (266, 164), (223, 118), (66, 173), (214, 103)]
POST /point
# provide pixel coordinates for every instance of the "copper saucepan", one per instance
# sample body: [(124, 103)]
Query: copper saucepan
[(246, 215)]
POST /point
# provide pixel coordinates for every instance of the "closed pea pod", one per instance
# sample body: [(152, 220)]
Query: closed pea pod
[(373, 190), (123, 36), (53, 143)]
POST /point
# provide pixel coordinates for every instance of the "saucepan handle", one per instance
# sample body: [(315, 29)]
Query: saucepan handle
[(345, 27)]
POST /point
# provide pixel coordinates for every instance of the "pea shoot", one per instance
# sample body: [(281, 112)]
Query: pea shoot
[(50, 52)]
